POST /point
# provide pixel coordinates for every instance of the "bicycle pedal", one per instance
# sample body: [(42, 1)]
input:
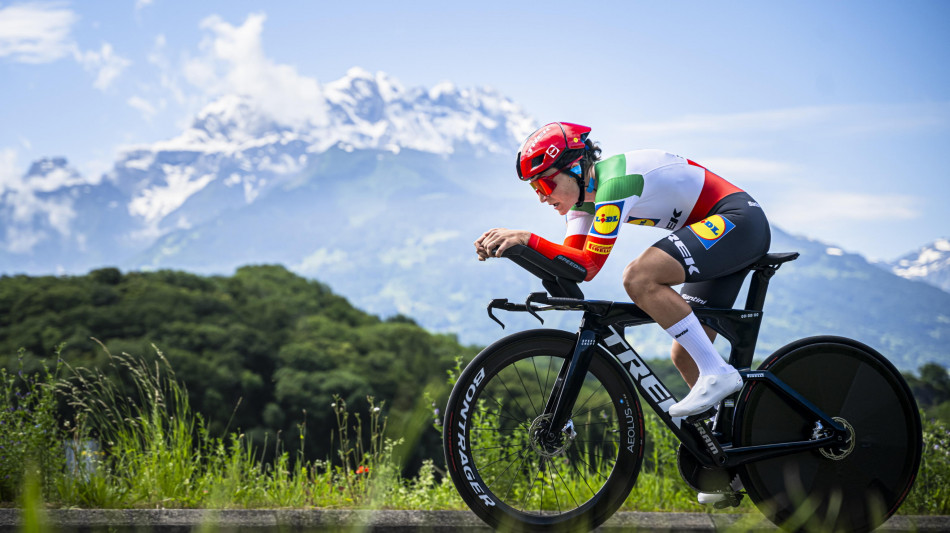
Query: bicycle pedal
[(705, 415), (731, 499)]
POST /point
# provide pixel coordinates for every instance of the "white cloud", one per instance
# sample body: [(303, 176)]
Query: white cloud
[(838, 119), (321, 261), (817, 208), (40, 33), (142, 4), (21, 233), (105, 64), (10, 177), (417, 250), (143, 106), (747, 169), (21, 239), (35, 33), (234, 63)]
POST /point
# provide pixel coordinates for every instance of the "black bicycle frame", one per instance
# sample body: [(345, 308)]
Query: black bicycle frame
[(603, 324)]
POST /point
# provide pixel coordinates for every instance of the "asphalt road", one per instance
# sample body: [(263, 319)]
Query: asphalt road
[(254, 521)]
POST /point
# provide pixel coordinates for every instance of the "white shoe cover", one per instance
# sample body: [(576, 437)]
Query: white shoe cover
[(707, 392), (707, 498)]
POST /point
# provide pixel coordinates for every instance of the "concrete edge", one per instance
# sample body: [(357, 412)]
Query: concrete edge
[(247, 519)]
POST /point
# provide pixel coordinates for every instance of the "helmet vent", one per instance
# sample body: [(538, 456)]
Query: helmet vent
[(535, 161)]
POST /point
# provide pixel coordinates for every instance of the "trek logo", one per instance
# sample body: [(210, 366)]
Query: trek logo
[(684, 251), (674, 220), (756, 375), (463, 443), (607, 220), (650, 387), (710, 230), (529, 144)]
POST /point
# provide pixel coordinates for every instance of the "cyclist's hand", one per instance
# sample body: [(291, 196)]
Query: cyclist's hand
[(495, 241)]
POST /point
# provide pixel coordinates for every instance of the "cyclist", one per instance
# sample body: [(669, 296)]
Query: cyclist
[(717, 231)]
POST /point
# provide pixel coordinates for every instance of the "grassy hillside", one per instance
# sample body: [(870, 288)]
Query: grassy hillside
[(262, 351)]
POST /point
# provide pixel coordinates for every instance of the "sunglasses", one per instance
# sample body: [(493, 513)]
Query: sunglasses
[(545, 185)]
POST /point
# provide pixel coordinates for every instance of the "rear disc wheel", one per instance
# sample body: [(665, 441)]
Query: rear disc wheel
[(851, 486)]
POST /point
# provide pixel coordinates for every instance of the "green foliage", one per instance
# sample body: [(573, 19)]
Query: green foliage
[(931, 492), (932, 391), (29, 448), (255, 351), (275, 363), (156, 452)]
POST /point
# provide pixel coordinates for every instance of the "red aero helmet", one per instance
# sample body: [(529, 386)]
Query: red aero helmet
[(546, 145)]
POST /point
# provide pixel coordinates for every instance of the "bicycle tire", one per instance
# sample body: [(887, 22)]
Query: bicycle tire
[(854, 487), (497, 470)]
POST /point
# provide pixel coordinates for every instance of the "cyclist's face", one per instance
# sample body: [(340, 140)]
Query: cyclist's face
[(564, 194)]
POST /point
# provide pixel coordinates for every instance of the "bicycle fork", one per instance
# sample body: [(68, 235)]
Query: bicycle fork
[(569, 381)]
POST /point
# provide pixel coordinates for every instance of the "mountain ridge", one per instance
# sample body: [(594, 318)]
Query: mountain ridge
[(387, 217), (929, 264)]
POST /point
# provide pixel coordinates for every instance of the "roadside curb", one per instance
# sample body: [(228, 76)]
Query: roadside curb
[(182, 520)]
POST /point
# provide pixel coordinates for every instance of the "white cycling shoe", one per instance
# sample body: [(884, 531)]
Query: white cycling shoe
[(721, 500), (708, 391)]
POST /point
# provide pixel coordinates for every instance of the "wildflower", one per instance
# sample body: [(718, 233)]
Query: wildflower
[(376, 409), (362, 470)]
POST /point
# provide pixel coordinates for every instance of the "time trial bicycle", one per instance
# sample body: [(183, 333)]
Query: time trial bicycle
[(544, 429)]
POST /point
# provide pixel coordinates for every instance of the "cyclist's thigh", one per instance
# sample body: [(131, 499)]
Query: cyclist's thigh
[(719, 292), (731, 238)]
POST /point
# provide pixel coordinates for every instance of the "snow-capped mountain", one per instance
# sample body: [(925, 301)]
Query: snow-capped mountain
[(380, 193), (930, 264), (235, 151)]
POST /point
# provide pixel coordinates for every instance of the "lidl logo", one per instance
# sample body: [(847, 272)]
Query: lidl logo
[(710, 230), (602, 249), (607, 219), (643, 221)]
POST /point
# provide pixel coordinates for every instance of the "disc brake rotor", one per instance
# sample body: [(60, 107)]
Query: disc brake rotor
[(548, 443), (838, 452)]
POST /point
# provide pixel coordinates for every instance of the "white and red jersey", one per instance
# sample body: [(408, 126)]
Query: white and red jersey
[(643, 187)]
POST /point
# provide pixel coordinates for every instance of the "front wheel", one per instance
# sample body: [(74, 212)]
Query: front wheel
[(572, 479), (852, 487)]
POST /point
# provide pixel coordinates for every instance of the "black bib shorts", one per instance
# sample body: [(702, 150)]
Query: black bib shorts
[(715, 251)]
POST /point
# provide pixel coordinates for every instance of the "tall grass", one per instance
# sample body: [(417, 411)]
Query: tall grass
[(135, 442)]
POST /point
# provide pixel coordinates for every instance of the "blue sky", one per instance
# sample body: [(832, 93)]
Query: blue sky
[(834, 115)]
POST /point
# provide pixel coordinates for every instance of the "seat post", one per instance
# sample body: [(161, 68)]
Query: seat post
[(758, 286)]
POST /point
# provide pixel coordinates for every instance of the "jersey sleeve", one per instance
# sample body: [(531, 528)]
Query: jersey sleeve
[(579, 220), (589, 250)]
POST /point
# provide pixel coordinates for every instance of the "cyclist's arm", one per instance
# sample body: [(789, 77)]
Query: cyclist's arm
[(592, 250), (579, 220)]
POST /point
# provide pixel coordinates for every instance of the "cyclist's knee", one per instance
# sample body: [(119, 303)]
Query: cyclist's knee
[(639, 279)]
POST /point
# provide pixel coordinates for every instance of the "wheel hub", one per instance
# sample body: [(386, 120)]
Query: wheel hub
[(548, 443), (837, 451)]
